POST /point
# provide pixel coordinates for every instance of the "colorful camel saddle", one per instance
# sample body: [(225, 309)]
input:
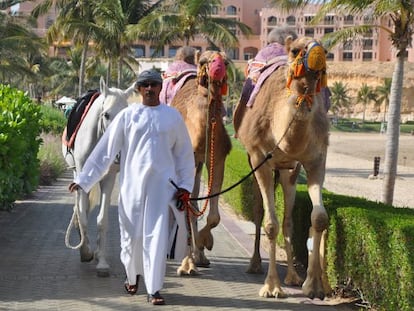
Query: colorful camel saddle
[(174, 78), (268, 60), (76, 116)]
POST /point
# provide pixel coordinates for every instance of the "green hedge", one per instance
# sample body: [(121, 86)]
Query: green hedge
[(19, 145), (368, 242)]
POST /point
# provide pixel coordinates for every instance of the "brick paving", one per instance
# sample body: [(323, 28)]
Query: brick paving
[(38, 272)]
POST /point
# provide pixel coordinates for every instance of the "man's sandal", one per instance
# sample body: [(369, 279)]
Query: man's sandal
[(156, 299), (131, 289)]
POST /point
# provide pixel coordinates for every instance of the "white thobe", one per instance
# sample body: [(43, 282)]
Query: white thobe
[(155, 147)]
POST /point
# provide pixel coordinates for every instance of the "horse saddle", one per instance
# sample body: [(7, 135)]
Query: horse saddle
[(76, 116)]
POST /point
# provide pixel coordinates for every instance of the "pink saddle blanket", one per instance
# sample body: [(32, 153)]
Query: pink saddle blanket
[(174, 78)]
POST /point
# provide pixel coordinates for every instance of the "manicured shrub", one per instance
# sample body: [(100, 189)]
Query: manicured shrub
[(19, 145)]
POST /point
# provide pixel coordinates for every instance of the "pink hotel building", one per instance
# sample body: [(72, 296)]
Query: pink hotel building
[(374, 46)]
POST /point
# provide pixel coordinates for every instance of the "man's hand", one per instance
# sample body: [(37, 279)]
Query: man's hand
[(73, 187), (183, 198)]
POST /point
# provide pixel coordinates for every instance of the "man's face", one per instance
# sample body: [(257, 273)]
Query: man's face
[(149, 89)]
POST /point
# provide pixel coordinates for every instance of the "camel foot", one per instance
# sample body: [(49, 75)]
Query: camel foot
[(201, 260), (293, 279), (313, 288), (187, 267), (255, 266), (267, 292), (205, 239)]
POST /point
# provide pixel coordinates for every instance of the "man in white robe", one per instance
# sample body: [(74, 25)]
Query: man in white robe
[(154, 147)]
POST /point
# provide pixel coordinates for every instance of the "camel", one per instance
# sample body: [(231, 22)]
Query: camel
[(287, 127), (200, 103)]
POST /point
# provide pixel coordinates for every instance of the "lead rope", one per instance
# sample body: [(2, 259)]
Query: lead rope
[(267, 157), (70, 226), (75, 214)]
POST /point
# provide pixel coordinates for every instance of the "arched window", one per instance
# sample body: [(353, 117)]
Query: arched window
[(291, 20), (272, 21), (231, 10)]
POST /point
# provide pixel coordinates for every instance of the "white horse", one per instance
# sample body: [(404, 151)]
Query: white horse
[(106, 106)]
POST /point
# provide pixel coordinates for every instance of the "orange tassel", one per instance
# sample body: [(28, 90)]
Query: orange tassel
[(224, 89)]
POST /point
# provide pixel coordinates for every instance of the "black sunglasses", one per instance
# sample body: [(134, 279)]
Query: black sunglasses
[(147, 84)]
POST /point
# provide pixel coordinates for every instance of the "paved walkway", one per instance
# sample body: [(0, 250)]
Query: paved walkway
[(37, 271)]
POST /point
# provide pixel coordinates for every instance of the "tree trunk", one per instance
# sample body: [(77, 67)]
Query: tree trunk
[(119, 81), (393, 132), (108, 73), (82, 67)]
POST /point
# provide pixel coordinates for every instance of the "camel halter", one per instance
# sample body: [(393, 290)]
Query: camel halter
[(311, 59)]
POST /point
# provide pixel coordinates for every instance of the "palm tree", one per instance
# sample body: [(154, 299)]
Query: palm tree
[(383, 92), (18, 46), (400, 30), (339, 99), (82, 22), (117, 48), (366, 94), (183, 20)]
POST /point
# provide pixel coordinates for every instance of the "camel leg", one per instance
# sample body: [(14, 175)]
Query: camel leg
[(288, 181), (255, 265), (197, 246), (313, 285), (205, 236), (264, 175), (82, 199), (188, 264), (106, 185)]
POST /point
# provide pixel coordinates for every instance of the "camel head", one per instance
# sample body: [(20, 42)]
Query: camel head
[(307, 69), (211, 73)]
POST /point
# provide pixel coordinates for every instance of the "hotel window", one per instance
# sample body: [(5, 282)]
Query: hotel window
[(231, 10), (367, 44), (308, 19), (348, 46), (233, 53), (272, 21), (347, 56), (156, 53), (139, 51), (309, 32), (172, 51), (367, 56), (291, 20), (349, 20), (329, 19)]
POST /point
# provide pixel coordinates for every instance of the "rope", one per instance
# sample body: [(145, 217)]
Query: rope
[(70, 226)]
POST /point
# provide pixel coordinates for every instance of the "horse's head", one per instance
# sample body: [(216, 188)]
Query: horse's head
[(307, 69), (211, 73), (114, 100)]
